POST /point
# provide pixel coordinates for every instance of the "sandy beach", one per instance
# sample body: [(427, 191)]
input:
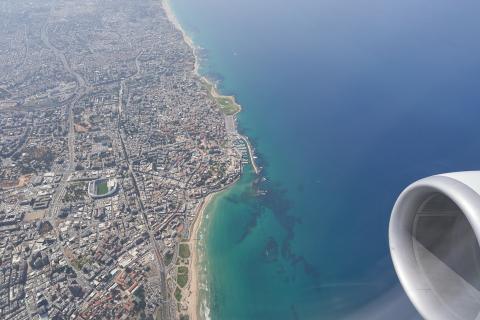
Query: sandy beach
[(193, 296), (193, 289), (173, 19), (194, 262), (213, 88)]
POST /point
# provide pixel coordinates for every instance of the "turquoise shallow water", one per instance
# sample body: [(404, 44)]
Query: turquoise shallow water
[(346, 102)]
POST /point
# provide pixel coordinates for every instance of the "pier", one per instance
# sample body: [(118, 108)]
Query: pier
[(231, 127), (251, 154)]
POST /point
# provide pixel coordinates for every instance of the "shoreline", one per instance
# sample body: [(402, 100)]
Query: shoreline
[(211, 86), (193, 296), (193, 299), (230, 108), (194, 282)]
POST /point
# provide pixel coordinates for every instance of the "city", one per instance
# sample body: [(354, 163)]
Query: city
[(109, 144)]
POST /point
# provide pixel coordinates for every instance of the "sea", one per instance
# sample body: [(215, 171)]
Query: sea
[(346, 102)]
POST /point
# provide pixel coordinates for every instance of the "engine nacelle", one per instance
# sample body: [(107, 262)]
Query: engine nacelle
[(434, 242)]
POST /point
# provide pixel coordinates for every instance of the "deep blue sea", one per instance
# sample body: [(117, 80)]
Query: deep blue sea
[(346, 103)]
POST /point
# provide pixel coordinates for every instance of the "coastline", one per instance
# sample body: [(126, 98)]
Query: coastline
[(212, 88), (193, 299), (317, 178)]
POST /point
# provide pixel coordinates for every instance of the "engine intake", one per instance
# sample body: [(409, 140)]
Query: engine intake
[(433, 233)]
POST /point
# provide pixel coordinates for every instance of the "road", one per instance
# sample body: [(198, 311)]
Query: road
[(80, 91), (165, 308)]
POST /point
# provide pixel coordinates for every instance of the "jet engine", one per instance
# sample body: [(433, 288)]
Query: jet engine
[(434, 243)]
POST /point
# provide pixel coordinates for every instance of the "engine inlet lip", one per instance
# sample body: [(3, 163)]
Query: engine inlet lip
[(430, 306)]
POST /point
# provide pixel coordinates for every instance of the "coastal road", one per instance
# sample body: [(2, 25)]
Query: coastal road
[(230, 126)]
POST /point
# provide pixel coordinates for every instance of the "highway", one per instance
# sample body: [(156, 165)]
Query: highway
[(56, 205)]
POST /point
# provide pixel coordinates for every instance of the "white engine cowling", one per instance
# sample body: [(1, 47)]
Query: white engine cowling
[(434, 242)]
